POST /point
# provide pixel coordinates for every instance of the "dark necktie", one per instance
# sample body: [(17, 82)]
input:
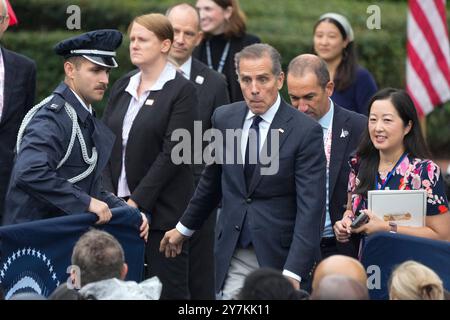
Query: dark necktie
[(252, 149), (245, 238)]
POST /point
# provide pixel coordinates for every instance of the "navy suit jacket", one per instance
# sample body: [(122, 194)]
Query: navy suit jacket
[(38, 189), (347, 129), (284, 210), (18, 98)]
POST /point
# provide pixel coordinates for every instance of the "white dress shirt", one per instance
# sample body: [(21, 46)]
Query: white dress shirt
[(88, 108), (264, 126), (169, 72)]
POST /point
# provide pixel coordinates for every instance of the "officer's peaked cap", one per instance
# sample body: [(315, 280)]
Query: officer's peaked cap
[(97, 46)]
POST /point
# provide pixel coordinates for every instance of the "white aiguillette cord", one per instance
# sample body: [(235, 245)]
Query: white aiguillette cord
[(76, 132)]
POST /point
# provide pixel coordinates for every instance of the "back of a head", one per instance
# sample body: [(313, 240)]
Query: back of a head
[(414, 281), (340, 265), (64, 293), (99, 256), (27, 296), (339, 287), (268, 284)]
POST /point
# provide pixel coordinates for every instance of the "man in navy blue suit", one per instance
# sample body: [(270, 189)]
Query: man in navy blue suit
[(267, 220), (63, 148), (17, 90), (310, 88)]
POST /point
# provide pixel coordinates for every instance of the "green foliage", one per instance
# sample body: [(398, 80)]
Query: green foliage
[(45, 15), (286, 24), (438, 131), (39, 47)]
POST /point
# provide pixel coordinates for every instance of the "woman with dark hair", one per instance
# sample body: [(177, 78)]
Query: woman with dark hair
[(393, 155), (145, 107), (334, 43), (224, 26)]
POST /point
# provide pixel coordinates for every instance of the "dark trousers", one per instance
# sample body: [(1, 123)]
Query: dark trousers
[(328, 247), (201, 261), (172, 272)]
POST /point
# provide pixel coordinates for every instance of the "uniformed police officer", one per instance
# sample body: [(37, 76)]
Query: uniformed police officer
[(61, 147)]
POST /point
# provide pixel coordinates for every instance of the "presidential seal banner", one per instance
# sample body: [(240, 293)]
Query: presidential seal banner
[(35, 256)]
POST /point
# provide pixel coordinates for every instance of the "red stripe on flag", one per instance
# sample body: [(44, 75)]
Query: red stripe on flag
[(418, 106), (12, 16), (440, 5), (422, 73), (426, 28)]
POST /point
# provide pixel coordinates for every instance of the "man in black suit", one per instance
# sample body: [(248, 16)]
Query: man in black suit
[(310, 88), (212, 92), (17, 90), (269, 218)]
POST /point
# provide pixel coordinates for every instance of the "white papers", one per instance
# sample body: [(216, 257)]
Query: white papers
[(404, 207)]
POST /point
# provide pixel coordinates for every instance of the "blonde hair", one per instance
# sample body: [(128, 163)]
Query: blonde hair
[(156, 23), (414, 281)]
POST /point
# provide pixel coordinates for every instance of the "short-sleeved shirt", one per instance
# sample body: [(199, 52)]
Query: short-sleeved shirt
[(410, 174)]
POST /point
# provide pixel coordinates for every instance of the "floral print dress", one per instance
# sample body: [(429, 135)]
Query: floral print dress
[(410, 174)]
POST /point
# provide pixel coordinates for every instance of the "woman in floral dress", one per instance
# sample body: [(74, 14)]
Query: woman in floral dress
[(393, 155)]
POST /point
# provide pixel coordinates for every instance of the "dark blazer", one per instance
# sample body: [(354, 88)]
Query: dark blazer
[(156, 184), (284, 210), (18, 98), (229, 70), (348, 127), (38, 188), (212, 93)]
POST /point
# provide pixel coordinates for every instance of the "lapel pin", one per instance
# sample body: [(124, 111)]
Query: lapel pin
[(281, 130), (344, 133), (199, 79), (149, 102)]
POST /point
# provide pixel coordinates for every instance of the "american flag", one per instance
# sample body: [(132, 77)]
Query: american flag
[(428, 55), (12, 16)]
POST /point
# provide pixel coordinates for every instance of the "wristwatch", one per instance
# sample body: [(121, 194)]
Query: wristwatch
[(393, 227)]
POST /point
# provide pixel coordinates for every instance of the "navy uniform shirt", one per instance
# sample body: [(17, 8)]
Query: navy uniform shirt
[(37, 188)]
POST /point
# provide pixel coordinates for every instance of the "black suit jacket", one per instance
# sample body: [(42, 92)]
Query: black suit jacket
[(284, 209), (18, 98), (347, 129), (157, 185), (212, 93), (229, 70)]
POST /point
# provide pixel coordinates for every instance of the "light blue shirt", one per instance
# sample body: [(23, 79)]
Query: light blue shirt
[(326, 122)]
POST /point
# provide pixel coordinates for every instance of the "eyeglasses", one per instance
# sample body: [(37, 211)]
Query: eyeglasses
[(2, 18)]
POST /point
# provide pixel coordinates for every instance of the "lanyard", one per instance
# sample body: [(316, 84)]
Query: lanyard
[(222, 59), (389, 175)]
